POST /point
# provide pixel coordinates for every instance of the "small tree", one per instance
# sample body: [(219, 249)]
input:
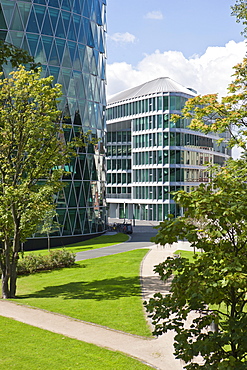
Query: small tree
[(32, 155), (212, 288)]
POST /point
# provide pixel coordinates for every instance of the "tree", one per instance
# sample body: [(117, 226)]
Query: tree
[(240, 11), (208, 114), (32, 155), (15, 56), (213, 287)]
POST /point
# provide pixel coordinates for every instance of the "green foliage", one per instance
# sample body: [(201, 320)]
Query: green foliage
[(15, 56), (240, 11), (213, 286), (34, 348), (55, 259), (208, 114), (33, 153)]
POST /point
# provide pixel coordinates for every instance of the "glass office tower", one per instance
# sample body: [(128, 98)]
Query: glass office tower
[(68, 38), (149, 156)]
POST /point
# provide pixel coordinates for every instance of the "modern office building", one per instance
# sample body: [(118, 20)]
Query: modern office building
[(68, 38), (149, 156)]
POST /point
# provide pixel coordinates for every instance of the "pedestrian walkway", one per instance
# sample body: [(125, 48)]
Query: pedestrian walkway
[(157, 352)]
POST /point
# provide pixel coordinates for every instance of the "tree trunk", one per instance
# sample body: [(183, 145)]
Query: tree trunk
[(13, 275), (5, 285), (5, 267)]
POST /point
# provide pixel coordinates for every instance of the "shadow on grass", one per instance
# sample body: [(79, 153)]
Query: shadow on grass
[(98, 290)]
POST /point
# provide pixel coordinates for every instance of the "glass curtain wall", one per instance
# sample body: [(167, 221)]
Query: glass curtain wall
[(68, 38)]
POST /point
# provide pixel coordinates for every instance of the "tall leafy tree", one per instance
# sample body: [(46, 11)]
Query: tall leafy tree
[(206, 306), (33, 153)]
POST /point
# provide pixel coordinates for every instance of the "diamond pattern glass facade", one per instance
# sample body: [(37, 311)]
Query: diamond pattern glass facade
[(68, 38)]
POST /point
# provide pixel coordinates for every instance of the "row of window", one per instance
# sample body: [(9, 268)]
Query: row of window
[(175, 157), (155, 212), (118, 178), (177, 139), (158, 103), (158, 121), (118, 190), (118, 150), (118, 164), (119, 137), (170, 175)]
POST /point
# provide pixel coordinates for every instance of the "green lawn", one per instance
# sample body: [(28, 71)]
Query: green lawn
[(24, 347), (186, 254), (94, 243), (102, 290)]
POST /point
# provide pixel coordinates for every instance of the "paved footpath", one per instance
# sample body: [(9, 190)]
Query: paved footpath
[(156, 352)]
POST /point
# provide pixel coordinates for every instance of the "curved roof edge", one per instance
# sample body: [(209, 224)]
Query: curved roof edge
[(161, 84)]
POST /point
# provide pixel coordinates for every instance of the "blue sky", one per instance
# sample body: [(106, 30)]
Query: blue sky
[(195, 42)]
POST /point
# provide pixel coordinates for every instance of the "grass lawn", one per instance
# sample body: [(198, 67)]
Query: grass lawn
[(102, 290), (94, 243), (24, 347), (186, 254)]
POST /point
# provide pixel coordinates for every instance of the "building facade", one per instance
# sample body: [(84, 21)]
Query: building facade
[(149, 156), (67, 37)]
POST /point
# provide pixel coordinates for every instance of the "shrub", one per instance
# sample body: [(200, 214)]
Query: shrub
[(55, 259)]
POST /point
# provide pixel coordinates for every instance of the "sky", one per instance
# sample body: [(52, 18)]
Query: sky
[(194, 42)]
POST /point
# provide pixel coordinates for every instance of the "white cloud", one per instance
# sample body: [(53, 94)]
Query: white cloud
[(208, 73), (155, 14), (123, 37)]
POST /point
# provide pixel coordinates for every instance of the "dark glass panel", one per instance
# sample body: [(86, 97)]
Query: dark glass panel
[(65, 5), (77, 7), (39, 11), (76, 63), (77, 21), (60, 47), (60, 29), (24, 11), (82, 35), (40, 54), (7, 7), (54, 56), (43, 2), (88, 32), (77, 227), (24, 44), (53, 16), (66, 19), (71, 32), (98, 14), (54, 3), (47, 29), (32, 23), (3, 35), (66, 58), (47, 42), (33, 42), (85, 10), (72, 200), (16, 23), (66, 226), (72, 48)]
